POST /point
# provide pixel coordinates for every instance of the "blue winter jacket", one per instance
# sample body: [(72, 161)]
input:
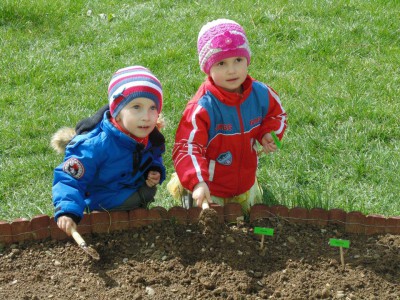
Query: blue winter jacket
[(102, 168)]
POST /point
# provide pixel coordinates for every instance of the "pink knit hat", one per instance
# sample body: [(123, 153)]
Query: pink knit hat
[(221, 39), (130, 83)]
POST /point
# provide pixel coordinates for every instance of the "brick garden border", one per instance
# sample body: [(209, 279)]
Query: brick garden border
[(43, 227)]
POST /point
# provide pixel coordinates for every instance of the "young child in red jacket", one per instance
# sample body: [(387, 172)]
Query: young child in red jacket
[(215, 151)]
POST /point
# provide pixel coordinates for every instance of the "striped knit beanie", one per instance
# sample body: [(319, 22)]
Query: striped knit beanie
[(221, 39), (130, 83)]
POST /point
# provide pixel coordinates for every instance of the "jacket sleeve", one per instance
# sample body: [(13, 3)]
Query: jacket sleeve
[(276, 117), (190, 146), (70, 181), (157, 141), (157, 165)]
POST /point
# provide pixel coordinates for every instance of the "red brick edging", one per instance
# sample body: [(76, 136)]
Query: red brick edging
[(42, 226)]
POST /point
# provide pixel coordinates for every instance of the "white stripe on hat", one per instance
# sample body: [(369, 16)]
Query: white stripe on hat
[(128, 85), (133, 74)]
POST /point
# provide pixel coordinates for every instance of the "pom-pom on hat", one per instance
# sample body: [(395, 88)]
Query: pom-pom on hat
[(130, 83), (221, 39)]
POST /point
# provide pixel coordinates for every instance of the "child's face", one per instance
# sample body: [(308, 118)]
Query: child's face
[(139, 117), (229, 73)]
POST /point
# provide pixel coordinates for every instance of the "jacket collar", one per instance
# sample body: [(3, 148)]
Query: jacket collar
[(143, 141), (230, 98)]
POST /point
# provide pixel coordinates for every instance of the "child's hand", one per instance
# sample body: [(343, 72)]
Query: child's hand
[(268, 143), (65, 224), (153, 178), (201, 193)]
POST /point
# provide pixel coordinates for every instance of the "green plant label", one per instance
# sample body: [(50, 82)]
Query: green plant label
[(276, 140), (339, 243), (264, 231)]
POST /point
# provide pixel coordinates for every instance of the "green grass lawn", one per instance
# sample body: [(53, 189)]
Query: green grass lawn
[(335, 65)]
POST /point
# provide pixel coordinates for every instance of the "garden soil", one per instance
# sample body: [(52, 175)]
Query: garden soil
[(203, 261)]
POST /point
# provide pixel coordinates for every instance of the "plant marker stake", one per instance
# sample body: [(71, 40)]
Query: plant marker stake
[(276, 140), (263, 231), (341, 244)]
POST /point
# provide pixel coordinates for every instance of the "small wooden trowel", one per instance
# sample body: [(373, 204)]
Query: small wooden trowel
[(208, 219), (205, 204), (81, 242)]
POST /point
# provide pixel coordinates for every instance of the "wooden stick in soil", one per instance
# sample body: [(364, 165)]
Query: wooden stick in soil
[(81, 242), (262, 242), (342, 257)]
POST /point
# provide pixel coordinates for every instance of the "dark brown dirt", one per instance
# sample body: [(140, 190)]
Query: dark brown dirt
[(171, 261), (208, 222)]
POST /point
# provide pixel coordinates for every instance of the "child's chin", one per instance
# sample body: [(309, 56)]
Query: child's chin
[(143, 132)]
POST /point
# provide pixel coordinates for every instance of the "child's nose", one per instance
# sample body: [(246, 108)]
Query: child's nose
[(231, 68), (146, 115)]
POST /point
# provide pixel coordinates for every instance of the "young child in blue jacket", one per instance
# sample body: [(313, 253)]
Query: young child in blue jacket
[(117, 164)]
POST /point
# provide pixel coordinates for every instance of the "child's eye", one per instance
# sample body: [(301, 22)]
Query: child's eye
[(221, 63), (153, 107), (239, 59), (136, 106)]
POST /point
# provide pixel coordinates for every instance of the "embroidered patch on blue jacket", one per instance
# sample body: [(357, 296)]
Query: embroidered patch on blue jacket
[(74, 168)]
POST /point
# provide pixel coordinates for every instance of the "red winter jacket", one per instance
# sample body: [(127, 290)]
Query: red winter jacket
[(215, 139)]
